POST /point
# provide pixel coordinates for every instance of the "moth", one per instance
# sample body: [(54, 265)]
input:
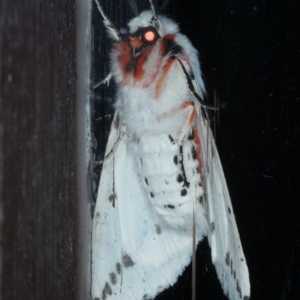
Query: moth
[(162, 187)]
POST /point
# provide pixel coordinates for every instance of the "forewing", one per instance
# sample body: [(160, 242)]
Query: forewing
[(135, 255), (106, 243), (226, 249)]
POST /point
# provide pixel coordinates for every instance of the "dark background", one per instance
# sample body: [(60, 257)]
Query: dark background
[(250, 58)]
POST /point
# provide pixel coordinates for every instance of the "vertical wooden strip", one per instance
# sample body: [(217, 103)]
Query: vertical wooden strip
[(83, 157), (38, 92)]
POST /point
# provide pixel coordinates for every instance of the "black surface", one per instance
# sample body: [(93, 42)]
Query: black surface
[(250, 57)]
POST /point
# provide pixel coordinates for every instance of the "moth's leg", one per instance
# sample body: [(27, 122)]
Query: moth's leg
[(187, 107), (106, 80), (121, 128), (112, 150)]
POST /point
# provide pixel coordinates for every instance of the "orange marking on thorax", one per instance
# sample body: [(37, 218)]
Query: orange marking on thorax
[(139, 68), (192, 116), (156, 65), (186, 104), (135, 42), (135, 66), (124, 56), (166, 69), (170, 37)]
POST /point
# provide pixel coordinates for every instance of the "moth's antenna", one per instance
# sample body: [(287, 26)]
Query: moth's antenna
[(163, 5), (216, 115), (156, 20), (133, 6), (153, 10), (112, 30)]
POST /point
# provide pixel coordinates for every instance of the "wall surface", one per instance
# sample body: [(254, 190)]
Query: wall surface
[(38, 119)]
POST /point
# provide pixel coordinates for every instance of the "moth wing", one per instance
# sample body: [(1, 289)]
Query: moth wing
[(105, 225), (226, 249), (135, 255)]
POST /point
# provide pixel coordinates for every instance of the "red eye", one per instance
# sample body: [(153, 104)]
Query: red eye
[(149, 36)]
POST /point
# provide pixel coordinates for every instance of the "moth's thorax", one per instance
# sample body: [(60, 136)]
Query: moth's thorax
[(143, 114), (137, 63), (152, 86)]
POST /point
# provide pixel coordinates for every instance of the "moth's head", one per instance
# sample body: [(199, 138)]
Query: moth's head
[(148, 27), (145, 29)]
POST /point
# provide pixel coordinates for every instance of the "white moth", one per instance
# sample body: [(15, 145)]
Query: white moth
[(162, 186)]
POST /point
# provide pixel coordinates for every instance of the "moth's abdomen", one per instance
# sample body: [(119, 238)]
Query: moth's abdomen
[(169, 173)]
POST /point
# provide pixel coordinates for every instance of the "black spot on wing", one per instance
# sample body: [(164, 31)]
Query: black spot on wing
[(112, 198), (106, 291), (170, 206), (183, 192), (118, 268), (113, 278), (127, 261), (227, 259), (229, 210), (201, 200), (171, 139), (238, 289), (151, 195), (146, 181), (212, 227), (191, 135), (117, 122), (179, 178), (185, 182), (175, 159), (194, 153), (158, 229)]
